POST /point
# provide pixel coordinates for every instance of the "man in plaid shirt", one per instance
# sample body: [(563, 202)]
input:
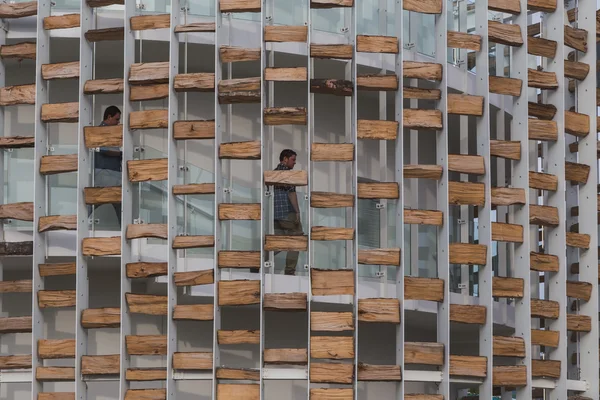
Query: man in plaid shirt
[(287, 213)]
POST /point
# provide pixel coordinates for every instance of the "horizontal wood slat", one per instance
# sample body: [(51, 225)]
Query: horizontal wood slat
[(49, 349), (468, 314), (92, 318), (431, 289), (286, 356), (101, 246), (191, 242), (331, 282)]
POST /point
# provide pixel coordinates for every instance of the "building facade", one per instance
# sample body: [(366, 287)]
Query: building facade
[(445, 157)]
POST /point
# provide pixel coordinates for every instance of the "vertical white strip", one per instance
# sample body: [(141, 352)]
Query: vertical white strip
[(443, 260), (588, 201), (486, 271), (263, 199), (555, 239), (127, 193), (39, 187), (520, 179), (171, 199), (84, 165), (383, 159), (310, 134), (351, 134)]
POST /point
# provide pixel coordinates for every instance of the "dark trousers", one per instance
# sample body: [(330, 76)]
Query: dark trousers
[(289, 227)]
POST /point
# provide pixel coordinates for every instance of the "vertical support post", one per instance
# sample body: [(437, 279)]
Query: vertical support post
[(310, 134), (555, 238), (383, 159), (519, 131), (171, 199), (588, 200), (443, 256), (127, 194), (84, 165), (352, 137), (39, 188), (486, 272)]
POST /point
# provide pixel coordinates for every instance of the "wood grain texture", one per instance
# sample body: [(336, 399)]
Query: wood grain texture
[(423, 171), (239, 292), (579, 290), (423, 6), (541, 111), (57, 269), (50, 349), (467, 253), (18, 10), (377, 82), (431, 289), (285, 301), (474, 366), (65, 70), (543, 215), (377, 44), (544, 309), (249, 150), (16, 142), (15, 324), (542, 5), (149, 304), (424, 353), (511, 376), (389, 256), (541, 47), (331, 373), (55, 374), (332, 152), (196, 82), (145, 22), (238, 337), (285, 33), (20, 94), (544, 338), (507, 196), (193, 241), (543, 262), (293, 74), (147, 170), (24, 50), (466, 164), (463, 104), (196, 27), (422, 119), (146, 394), (576, 172), (56, 396), (331, 282), (288, 178), (286, 243), (60, 112), (57, 223), (423, 217), (506, 86), (22, 211), (58, 164), (146, 345), (238, 259), (192, 360), (146, 374), (576, 38), (422, 70), (138, 270), (149, 119), (139, 231), (410, 92), (193, 312), (506, 6), (380, 190), (504, 232), (331, 394), (541, 79), (238, 391), (106, 34), (15, 361), (103, 136), (576, 70), (149, 92), (194, 278), (321, 4), (332, 347), (194, 188), (379, 310), (286, 356), (285, 116), (379, 373), (541, 181), (505, 149), (64, 21), (579, 323), (103, 86), (331, 200), (102, 246), (17, 286), (508, 346), (239, 54), (56, 298), (331, 321), (377, 130), (466, 193), (239, 5), (93, 318), (199, 129), (507, 287), (577, 124), (100, 365), (578, 240), (463, 40), (542, 130), (325, 233), (545, 369), (102, 195), (468, 314), (507, 34), (325, 51), (244, 374)]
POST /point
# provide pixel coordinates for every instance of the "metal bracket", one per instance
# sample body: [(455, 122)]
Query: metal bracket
[(138, 221), (184, 168), (50, 149), (137, 149), (306, 197), (268, 264), (93, 221), (140, 6), (380, 206), (268, 193), (227, 190), (306, 267), (345, 30), (379, 274), (269, 18), (409, 46), (462, 286), (461, 222), (10, 150)]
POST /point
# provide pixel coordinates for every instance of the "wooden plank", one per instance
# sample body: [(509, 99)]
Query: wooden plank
[(541, 47), (65, 70), (234, 6), (325, 233), (16, 142), (147, 170), (58, 164), (146, 374), (423, 6), (506, 6), (56, 396), (100, 365), (422, 119), (238, 337), (286, 243), (56, 298), (467, 253), (57, 269), (238, 259), (466, 164), (93, 318), (15, 362), (377, 44), (101, 246), (146, 394), (332, 152), (198, 129), (331, 394), (18, 286), (331, 282), (541, 79), (24, 50), (197, 82), (509, 346), (56, 349), (379, 256), (542, 5), (288, 178), (466, 193), (422, 70), (424, 353), (423, 397), (423, 217), (331, 321), (55, 374), (293, 74), (15, 324), (379, 310), (468, 314), (421, 171), (249, 150), (138, 270), (544, 309), (576, 70), (22, 211), (337, 51), (331, 200), (145, 22), (463, 40), (507, 34), (464, 104), (545, 369), (146, 345), (285, 301), (544, 338), (103, 136), (541, 181), (421, 93), (575, 172), (194, 188), (285, 116), (376, 129), (431, 289), (192, 242), (542, 130), (507, 196), (474, 366), (503, 232), (19, 94), (507, 287), (506, 86), (323, 4), (543, 215), (331, 373), (541, 111), (238, 391), (57, 223), (576, 38), (196, 27), (103, 3), (103, 86), (379, 373), (16, 248), (505, 149), (509, 376), (102, 195), (286, 356), (106, 34), (577, 124), (543, 262), (579, 290), (60, 112), (149, 119), (149, 92), (64, 21), (285, 33), (149, 304), (379, 190), (579, 323), (138, 231), (239, 292), (18, 10), (238, 54), (332, 347), (243, 374), (194, 278), (148, 73), (192, 361), (194, 312)]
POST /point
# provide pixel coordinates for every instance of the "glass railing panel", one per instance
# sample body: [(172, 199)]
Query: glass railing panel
[(201, 8), (330, 20), (62, 188), (153, 6), (425, 40), (290, 13), (18, 182), (63, 5)]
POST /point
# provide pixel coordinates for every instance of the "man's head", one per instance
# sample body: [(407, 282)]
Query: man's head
[(288, 158), (112, 116)]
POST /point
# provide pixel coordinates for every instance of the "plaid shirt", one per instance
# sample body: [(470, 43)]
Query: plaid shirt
[(283, 205)]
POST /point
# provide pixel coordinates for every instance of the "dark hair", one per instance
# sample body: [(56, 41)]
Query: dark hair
[(286, 153), (111, 111)]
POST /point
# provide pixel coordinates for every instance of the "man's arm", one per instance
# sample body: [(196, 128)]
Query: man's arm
[(294, 201)]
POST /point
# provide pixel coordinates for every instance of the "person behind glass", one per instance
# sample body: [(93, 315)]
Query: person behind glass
[(107, 162), (286, 211)]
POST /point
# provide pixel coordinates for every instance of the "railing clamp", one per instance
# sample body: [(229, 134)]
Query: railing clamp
[(380, 206), (138, 221), (268, 193), (268, 264)]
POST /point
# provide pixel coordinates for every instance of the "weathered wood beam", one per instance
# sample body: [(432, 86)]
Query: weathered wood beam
[(64, 21), (377, 44), (285, 301), (576, 38), (337, 87), (196, 27), (507, 287), (55, 374), (104, 3), (423, 217), (377, 82), (238, 337), (463, 40), (146, 374), (506, 86), (57, 223), (101, 318), (331, 321), (237, 54), (235, 6), (194, 188), (292, 74), (541, 181), (335, 373), (244, 374), (57, 269), (467, 253), (56, 349), (542, 5), (332, 152), (193, 241), (506, 149), (576, 172), (285, 33), (422, 70), (578, 240), (58, 164), (337, 51), (541, 47), (286, 356), (100, 365), (421, 94), (56, 298), (503, 232), (466, 164), (286, 243), (103, 136), (16, 142), (542, 130), (15, 324), (331, 282), (431, 289), (507, 34), (194, 278), (148, 304), (138, 270), (379, 190), (15, 362), (466, 193), (333, 393), (541, 111), (19, 286), (25, 50), (422, 171), (468, 314), (543, 215), (576, 70), (22, 211), (579, 323), (474, 366), (386, 256), (579, 290), (60, 112), (138, 231), (147, 170), (198, 129), (65, 70), (332, 347), (463, 104), (545, 369), (192, 361), (146, 345), (20, 94), (379, 310), (103, 86), (106, 34), (101, 246), (543, 262), (240, 150), (424, 353), (544, 309), (544, 338), (145, 22), (18, 10), (324, 4), (377, 129), (147, 73), (379, 373), (541, 79), (423, 6), (331, 200), (505, 6), (422, 119), (285, 116), (149, 92), (507, 196), (239, 211), (146, 394), (239, 292), (509, 376), (201, 82), (577, 124)]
